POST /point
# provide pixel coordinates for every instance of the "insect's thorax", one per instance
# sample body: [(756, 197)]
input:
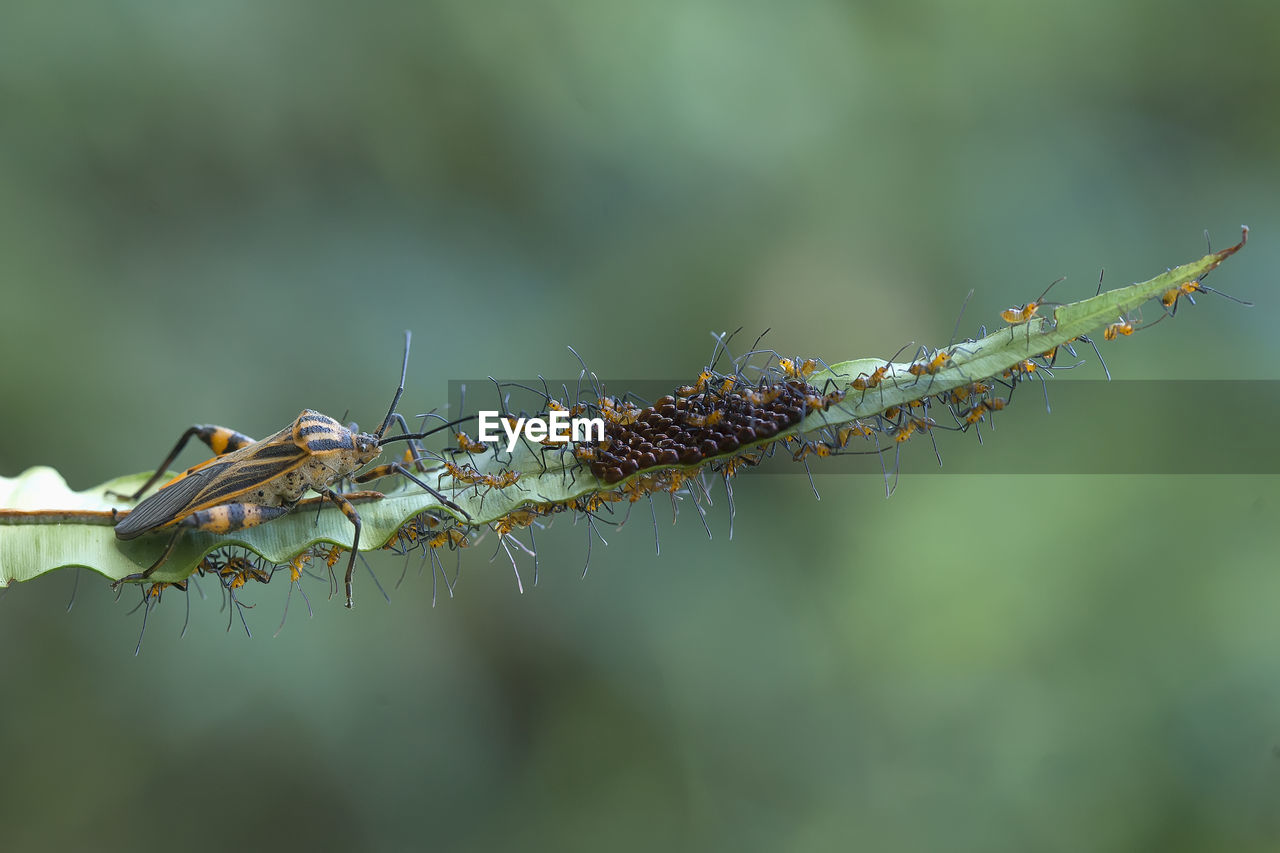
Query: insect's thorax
[(333, 453), (314, 452)]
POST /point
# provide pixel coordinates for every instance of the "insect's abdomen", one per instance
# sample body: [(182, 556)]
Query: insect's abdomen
[(231, 517)]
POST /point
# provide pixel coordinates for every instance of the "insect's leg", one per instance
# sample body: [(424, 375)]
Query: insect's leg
[(219, 439), (354, 517), (397, 468), (143, 575), (377, 473), (74, 587), (1101, 361), (147, 605)]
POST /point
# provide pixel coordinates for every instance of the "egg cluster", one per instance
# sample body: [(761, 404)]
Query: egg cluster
[(688, 430)]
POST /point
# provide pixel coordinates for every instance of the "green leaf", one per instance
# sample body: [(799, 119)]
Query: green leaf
[(47, 526)]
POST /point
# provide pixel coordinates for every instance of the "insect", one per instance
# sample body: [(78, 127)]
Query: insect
[(1121, 327), (929, 367), (926, 365), (817, 448), (467, 445), (848, 432), (710, 419), (249, 482), (976, 414), (463, 473), (1169, 299), (866, 381), (1020, 314), (1024, 368), (795, 369)]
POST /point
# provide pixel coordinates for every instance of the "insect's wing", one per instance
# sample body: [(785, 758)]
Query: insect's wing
[(220, 480), (170, 503)]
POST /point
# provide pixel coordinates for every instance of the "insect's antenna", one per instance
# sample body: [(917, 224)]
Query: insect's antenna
[(1243, 302), (503, 399), (1100, 275), (414, 436), (894, 357), (756, 345), (722, 346), (74, 587), (524, 387), (586, 373), (439, 417), (741, 362), (395, 401), (956, 328), (145, 613), (1040, 298), (187, 619)]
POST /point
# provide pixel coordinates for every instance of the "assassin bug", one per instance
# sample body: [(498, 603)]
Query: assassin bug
[(249, 482)]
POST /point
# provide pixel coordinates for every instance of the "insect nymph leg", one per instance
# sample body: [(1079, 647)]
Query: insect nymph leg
[(220, 440)]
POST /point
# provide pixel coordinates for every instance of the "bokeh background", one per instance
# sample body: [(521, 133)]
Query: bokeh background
[(228, 212)]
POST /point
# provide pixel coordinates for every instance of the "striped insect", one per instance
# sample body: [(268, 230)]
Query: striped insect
[(249, 482)]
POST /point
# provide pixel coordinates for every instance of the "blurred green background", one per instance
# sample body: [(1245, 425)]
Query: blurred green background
[(228, 212)]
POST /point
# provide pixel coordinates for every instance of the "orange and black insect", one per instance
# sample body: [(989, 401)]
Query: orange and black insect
[(930, 365), (1170, 298), (866, 381), (1123, 326), (1019, 314), (926, 365), (249, 482)]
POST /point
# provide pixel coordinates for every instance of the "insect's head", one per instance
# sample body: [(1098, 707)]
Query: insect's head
[(367, 446)]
